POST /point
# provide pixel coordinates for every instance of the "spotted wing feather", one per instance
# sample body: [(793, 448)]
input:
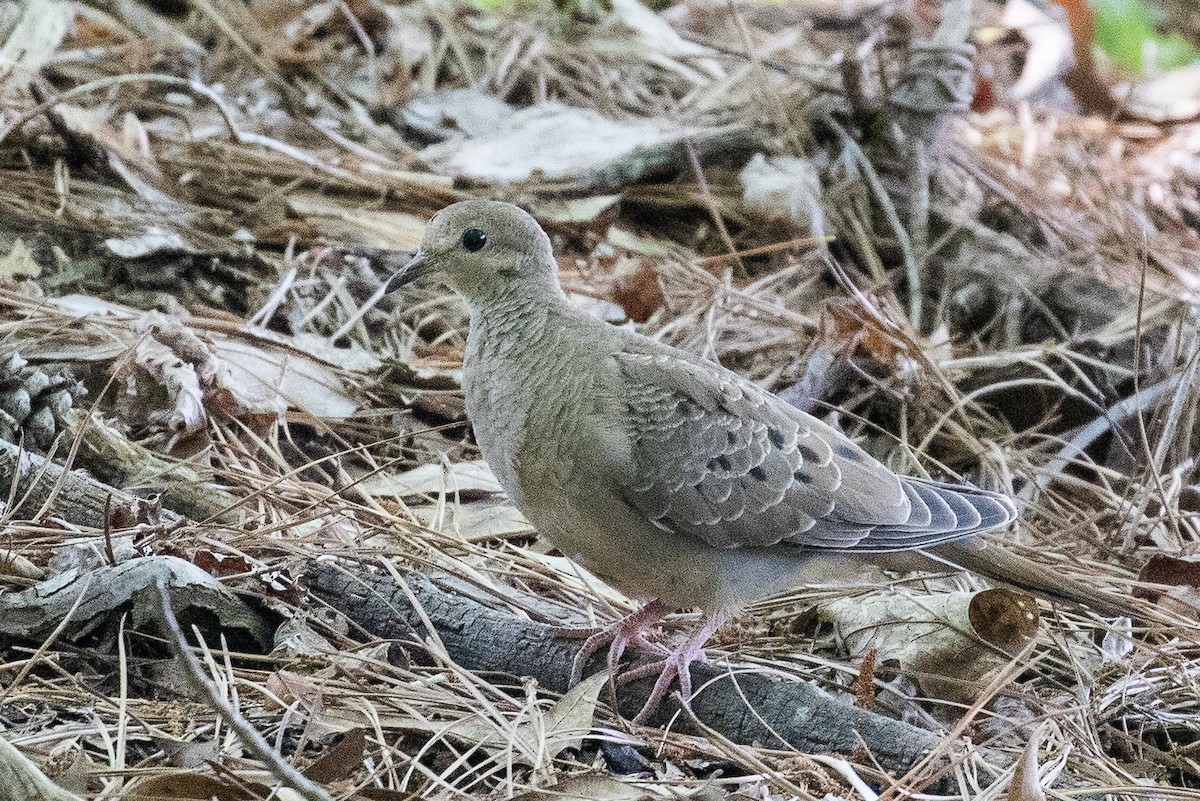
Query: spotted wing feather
[(716, 457)]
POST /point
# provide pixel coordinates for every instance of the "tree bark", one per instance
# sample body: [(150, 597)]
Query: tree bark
[(758, 709)]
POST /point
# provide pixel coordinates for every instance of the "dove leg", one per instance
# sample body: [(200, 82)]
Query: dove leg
[(627, 631), (677, 665)]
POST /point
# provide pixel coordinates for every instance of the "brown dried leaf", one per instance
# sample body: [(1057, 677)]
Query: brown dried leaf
[(186, 786), (341, 760), (1170, 571), (935, 636), (636, 290), (864, 696)]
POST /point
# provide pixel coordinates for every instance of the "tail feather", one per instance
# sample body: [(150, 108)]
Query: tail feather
[(941, 513), (1005, 566)]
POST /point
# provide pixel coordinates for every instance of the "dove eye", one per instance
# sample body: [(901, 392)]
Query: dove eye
[(473, 239)]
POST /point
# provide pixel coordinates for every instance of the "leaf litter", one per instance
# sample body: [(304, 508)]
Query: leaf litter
[(201, 203)]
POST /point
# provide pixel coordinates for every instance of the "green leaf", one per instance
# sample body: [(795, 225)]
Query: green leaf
[(1125, 30)]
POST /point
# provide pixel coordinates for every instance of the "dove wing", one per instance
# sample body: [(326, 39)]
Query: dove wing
[(718, 458)]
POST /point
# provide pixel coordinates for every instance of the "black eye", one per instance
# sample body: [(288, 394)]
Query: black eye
[(473, 239)]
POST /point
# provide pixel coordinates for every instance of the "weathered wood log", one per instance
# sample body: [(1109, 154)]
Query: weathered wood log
[(72, 496), (758, 709), (112, 457)]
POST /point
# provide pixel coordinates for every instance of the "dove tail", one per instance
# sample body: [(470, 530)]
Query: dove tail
[(939, 513), (1005, 566)]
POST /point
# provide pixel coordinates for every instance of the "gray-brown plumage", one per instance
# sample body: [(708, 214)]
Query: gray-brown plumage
[(666, 474)]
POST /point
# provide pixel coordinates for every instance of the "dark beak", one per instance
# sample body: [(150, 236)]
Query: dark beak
[(416, 267)]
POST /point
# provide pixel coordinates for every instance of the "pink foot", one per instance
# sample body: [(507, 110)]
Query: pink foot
[(676, 665), (620, 635)]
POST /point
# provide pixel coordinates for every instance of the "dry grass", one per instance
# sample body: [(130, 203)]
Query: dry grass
[(1055, 357)]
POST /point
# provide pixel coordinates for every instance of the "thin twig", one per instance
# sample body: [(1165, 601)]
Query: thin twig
[(251, 740)]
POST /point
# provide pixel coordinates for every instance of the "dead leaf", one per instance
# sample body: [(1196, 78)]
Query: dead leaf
[(845, 327), (152, 240), (1170, 571), (572, 717), (476, 521), (456, 113), (268, 380), (206, 365), (14, 564), (188, 753), (537, 742), (340, 761), (19, 263), (1026, 785), (295, 639), (470, 479), (355, 225), (864, 695), (636, 290), (188, 786), (577, 211), (33, 41), (952, 642), (591, 787), (552, 141), (187, 413)]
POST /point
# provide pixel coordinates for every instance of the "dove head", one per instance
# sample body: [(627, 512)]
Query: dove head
[(486, 251)]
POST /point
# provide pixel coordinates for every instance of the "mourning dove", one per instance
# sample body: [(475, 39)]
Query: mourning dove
[(667, 475)]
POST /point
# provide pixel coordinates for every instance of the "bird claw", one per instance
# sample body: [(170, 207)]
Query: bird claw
[(677, 666), (620, 635), (672, 664)]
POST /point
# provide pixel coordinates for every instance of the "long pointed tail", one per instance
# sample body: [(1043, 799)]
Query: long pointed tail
[(1003, 565)]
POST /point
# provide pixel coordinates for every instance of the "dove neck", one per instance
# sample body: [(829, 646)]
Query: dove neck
[(520, 304)]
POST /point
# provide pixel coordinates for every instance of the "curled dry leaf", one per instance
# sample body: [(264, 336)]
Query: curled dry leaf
[(195, 787), (784, 189), (636, 290), (1181, 574), (204, 365), (951, 643), (556, 142), (179, 378)]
